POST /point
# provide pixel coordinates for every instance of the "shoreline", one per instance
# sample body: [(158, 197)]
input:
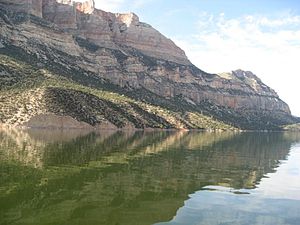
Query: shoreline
[(131, 128)]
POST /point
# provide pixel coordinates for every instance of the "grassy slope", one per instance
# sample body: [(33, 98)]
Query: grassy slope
[(292, 127), (26, 91)]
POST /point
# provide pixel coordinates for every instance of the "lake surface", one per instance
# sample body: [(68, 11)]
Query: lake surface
[(144, 178)]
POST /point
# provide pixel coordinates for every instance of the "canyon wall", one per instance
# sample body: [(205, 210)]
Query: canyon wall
[(132, 55), (109, 29), (28, 6)]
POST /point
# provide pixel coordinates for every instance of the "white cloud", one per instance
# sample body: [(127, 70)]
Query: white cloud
[(268, 46), (140, 3), (109, 5), (120, 5)]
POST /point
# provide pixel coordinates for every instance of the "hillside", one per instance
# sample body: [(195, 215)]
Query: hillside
[(33, 96), (71, 65)]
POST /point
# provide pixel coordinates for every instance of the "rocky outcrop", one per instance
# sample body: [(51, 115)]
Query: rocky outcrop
[(143, 37), (60, 12), (258, 95), (92, 47), (28, 6), (103, 28), (86, 7)]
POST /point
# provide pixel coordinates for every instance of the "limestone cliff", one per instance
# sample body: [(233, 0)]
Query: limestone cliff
[(116, 52)]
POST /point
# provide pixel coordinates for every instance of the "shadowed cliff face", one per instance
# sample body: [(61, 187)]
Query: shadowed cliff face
[(138, 177), (28, 6), (90, 46)]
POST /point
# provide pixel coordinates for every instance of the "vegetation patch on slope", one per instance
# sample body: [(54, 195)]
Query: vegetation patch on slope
[(292, 127), (28, 90)]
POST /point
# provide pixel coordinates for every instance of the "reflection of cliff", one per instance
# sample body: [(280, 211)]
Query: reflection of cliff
[(132, 178)]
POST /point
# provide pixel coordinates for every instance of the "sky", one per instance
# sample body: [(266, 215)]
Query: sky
[(262, 36)]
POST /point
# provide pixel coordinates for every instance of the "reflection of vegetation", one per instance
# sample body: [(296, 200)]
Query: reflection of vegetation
[(125, 178)]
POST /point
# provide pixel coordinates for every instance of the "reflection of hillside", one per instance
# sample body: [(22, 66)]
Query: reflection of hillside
[(27, 146), (133, 178), (123, 146), (81, 146), (16, 145)]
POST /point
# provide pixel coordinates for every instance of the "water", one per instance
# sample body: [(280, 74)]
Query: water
[(144, 178)]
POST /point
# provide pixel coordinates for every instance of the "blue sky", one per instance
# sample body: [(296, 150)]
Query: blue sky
[(224, 35)]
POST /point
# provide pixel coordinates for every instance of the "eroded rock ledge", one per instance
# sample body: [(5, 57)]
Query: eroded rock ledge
[(103, 28)]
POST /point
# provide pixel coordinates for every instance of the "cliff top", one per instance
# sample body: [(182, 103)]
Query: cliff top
[(249, 78)]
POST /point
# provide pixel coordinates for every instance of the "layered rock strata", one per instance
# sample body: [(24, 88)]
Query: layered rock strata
[(85, 44), (110, 29)]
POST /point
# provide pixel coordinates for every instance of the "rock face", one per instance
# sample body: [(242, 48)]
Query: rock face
[(261, 97), (61, 12), (87, 44), (28, 6), (103, 28)]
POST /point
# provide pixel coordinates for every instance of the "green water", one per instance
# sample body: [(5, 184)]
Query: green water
[(144, 178)]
